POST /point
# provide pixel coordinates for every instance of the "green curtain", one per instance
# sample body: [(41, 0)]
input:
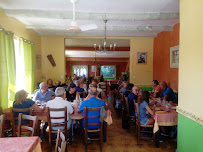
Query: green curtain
[(7, 69), (27, 49)]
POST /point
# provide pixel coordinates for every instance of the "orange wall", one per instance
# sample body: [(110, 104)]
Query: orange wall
[(161, 57)]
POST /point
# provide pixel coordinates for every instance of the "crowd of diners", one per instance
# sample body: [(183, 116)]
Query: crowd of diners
[(62, 95), (133, 93)]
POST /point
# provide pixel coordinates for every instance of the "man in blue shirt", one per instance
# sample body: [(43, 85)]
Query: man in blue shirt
[(124, 88), (131, 97), (167, 92), (93, 102), (43, 94)]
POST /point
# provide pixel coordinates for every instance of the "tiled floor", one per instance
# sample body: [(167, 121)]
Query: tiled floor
[(118, 140)]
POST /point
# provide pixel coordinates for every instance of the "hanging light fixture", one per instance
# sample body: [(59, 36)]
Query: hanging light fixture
[(103, 49)]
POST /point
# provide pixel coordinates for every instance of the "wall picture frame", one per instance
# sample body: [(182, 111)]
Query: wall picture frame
[(94, 68), (174, 57), (141, 57)]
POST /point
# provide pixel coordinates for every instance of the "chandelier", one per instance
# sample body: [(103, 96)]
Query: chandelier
[(103, 49)]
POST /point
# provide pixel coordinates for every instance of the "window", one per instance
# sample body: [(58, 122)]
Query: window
[(79, 70), (108, 71), (20, 68)]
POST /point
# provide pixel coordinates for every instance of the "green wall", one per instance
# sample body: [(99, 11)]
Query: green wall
[(190, 135)]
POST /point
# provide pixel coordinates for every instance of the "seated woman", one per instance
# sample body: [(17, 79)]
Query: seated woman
[(145, 119), (50, 84), (71, 94), (21, 102)]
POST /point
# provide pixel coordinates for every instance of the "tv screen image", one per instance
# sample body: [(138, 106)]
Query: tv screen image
[(108, 71)]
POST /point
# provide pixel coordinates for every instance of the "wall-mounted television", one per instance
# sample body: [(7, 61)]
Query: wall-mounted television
[(108, 71)]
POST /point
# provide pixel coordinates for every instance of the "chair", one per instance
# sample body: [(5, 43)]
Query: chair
[(103, 86), (13, 119), (2, 118), (130, 118), (139, 126), (60, 142), (49, 110), (82, 95), (25, 127), (98, 131)]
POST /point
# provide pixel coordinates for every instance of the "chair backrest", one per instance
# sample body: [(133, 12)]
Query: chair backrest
[(2, 125), (60, 142), (103, 86), (13, 119), (126, 105), (138, 113), (82, 95), (25, 127), (91, 117), (50, 110)]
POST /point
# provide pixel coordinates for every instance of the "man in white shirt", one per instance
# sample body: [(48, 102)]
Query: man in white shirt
[(59, 102)]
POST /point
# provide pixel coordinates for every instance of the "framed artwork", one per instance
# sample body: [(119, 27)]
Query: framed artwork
[(174, 57), (141, 57), (94, 68)]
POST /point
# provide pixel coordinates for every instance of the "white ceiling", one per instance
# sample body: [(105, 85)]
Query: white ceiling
[(126, 17)]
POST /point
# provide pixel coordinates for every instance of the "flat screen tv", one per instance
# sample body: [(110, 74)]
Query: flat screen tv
[(108, 71)]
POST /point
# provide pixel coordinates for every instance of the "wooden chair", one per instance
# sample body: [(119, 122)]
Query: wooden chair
[(139, 126), (25, 127), (82, 95), (130, 118), (103, 86), (98, 131), (13, 119), (60, 142), (49, 110), (2, 118)]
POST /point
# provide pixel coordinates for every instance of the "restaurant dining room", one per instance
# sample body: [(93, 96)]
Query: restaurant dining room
[(101, 76)]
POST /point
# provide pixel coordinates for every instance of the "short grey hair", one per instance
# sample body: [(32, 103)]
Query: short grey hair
[(93, 93), (59, 91), (77, 82), (124, 82), (41, 84)]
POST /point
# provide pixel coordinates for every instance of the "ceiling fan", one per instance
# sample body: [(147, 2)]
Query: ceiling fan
[(74, 25)]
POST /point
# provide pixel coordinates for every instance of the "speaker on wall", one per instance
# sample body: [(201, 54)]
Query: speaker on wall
[(51, 60)]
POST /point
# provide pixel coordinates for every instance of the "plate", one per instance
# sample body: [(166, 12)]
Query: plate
[(174, 108), (157, 109)]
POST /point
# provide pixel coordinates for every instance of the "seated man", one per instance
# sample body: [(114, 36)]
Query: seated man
[(60, 102), (124, 88), (93, 102), (78, 89), (57, 84), (43, 94), (156, 89), (167, 92), (131, 97), (129, 89)]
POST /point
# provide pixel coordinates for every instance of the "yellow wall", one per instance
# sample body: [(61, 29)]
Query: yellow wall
[(139, 75), (191, 54), (55, 46), (18, 28)]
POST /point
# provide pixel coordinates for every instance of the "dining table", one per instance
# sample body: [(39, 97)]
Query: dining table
[(164, 118), (20, 144), (42, 116)]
